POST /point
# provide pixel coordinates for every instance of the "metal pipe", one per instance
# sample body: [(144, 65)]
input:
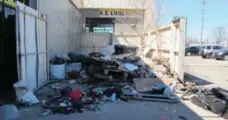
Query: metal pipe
[(29, 14)]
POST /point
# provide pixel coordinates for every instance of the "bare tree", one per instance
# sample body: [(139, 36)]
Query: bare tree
[(156, 17), (219, 34), (146, 17), (192, 40)]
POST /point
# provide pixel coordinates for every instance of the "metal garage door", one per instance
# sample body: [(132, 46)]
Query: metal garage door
[(31, 46)]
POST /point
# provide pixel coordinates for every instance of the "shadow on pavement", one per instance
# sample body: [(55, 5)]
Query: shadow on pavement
[(192, 78), (132, 110)]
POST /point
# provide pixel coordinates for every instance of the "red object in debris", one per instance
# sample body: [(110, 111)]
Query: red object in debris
[(163, 118), (76, 95)]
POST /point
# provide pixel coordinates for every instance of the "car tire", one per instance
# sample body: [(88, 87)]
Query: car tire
[(226, 57), (203, 56), (189, 53), (210, 55), (217, 58)]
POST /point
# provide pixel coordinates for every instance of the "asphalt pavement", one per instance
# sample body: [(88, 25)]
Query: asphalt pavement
[(207, 72)]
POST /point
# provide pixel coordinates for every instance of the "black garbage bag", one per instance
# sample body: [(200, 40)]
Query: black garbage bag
[(76, 57), (58, 61), (122, 49), (96, 54)]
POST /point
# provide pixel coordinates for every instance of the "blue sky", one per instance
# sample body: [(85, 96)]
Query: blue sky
[(216, 14)]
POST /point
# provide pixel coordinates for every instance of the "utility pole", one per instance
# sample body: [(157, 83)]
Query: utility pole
[(202, 22)]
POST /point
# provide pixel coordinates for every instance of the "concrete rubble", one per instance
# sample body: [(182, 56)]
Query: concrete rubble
[(211, 99)]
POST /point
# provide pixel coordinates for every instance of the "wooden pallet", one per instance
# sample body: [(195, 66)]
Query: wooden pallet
[(149, 97)]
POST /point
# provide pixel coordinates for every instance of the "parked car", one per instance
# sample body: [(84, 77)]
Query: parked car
[(222, 54), (210, 50), (202, 47), (192, 50)]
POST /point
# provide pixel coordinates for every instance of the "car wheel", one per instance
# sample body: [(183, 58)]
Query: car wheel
[(217, 58), (203, 56), (210, 55), (226, 57), (189, 53)]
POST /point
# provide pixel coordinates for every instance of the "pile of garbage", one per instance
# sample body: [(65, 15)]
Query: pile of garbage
[(67, 99), (84, 81)]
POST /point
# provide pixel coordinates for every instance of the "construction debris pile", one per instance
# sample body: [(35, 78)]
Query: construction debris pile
[(212, 99), (82, 82), (215, 100)]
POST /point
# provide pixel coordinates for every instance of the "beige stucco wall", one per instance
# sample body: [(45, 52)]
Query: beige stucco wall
[(129, 4), (64, 25)]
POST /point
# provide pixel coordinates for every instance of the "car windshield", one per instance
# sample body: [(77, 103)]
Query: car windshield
[(208, 47), (225, 49), (217, 47)]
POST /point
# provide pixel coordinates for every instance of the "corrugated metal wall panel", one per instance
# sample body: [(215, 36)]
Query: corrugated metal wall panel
[(31, 39), (43, 56)]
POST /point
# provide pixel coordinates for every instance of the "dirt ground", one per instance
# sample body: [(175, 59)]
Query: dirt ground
[(203, 71)]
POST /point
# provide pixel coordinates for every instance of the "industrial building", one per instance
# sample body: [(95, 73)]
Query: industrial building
[(63, 26), (69, 21), (69, 24)]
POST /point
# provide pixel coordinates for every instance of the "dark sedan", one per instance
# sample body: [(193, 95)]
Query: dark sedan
[(222, 54), (192, 50)]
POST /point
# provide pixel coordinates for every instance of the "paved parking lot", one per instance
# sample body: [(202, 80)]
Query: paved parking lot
[(207, 72)]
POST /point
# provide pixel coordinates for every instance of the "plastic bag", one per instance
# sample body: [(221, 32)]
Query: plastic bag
[(8, 112), (24, 95), (29, 98)]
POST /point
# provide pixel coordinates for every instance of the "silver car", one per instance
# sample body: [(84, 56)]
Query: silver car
[(210, 50)]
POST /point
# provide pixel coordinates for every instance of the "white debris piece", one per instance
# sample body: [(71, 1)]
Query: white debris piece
[(24, 95), (130, 67), (58, 71), (73, 66), (108, 51), (29, 98), (170, 90)]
